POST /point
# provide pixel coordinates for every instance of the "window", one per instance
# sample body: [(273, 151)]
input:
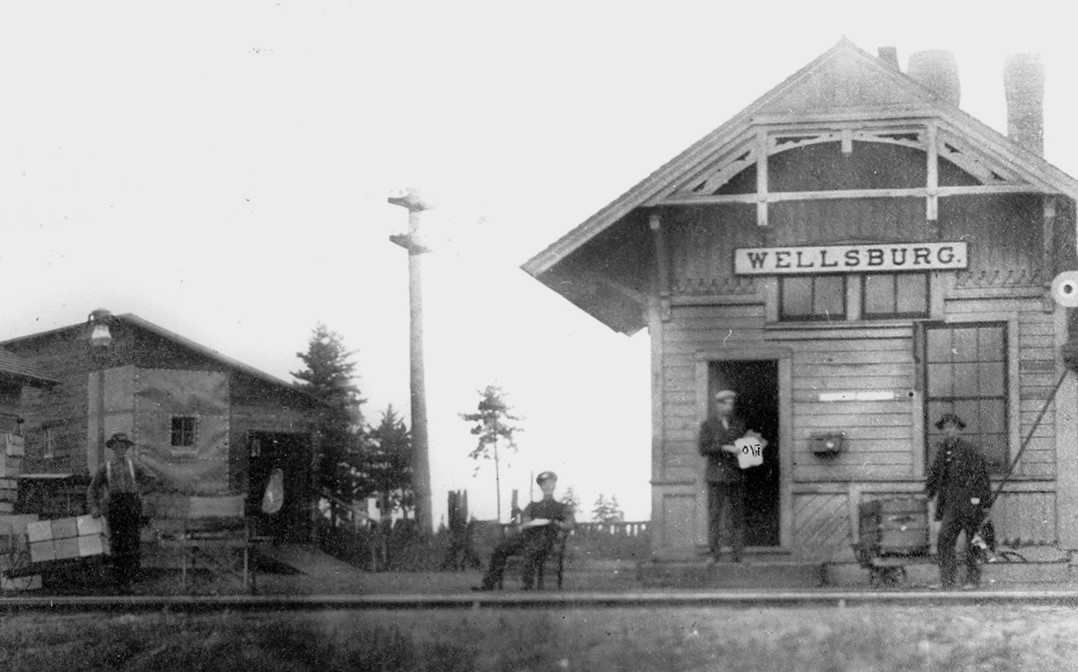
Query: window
[(894, 295), (966, 374), (48, 443), (813, 297), (183, 431)]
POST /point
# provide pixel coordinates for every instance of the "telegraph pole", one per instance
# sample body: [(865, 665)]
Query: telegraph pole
[(420, 451)]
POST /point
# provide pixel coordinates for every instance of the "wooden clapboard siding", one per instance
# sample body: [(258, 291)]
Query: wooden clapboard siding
[(1003, 231), (701, 240), (840, 470), (867, 432), (1026, 517), (822, 526)]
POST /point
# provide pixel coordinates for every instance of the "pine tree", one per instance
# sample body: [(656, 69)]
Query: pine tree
[(493, 427), (384, 468), (607, 510), (571, 499), (328, 377)]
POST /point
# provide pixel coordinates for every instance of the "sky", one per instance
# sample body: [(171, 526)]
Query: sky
[(222, 170)]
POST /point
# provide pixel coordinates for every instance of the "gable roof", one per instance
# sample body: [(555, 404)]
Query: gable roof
[(210, 353), (844, 82), (22, 370)]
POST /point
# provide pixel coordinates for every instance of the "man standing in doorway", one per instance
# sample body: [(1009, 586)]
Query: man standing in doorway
[(725, 479), (959, 475)]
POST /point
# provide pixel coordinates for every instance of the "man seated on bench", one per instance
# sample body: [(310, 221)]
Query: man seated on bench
[(541, 523)]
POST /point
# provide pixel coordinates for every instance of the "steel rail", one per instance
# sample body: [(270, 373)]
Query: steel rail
[(581, 600)]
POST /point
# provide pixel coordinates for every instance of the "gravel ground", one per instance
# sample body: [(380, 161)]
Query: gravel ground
[(801, 639)]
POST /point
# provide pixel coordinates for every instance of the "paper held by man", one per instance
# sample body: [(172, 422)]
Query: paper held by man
[(535, 522), (750, 449)]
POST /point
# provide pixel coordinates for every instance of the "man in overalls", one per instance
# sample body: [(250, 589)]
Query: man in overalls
[(115, 492)]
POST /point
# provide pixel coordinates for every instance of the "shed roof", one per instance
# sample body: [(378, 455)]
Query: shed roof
[(22, 370), (845, 83), (141, 323)]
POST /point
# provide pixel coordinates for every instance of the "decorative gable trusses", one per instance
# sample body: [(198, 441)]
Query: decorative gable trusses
[(845, 95), (994, 174)]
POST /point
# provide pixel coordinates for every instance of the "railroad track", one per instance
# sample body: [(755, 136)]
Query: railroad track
[(573, 600)]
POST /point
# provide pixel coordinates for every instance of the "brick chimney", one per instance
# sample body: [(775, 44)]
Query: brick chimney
[(888, 55), (936, 69), (1023, 85)]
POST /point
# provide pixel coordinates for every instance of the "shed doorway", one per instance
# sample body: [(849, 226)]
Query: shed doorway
[(292, 455), (757, 386)]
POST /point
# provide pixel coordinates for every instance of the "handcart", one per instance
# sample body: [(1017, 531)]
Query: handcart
[(893, 533)]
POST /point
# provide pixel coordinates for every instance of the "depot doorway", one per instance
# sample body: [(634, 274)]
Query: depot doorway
[(291, 453), (757, 386)]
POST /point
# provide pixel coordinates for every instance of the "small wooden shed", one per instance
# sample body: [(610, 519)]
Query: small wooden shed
[(856, 256), (206, 423)]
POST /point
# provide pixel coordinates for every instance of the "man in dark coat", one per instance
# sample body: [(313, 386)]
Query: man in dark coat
[(725, 479), (959, 476), (541, 523)]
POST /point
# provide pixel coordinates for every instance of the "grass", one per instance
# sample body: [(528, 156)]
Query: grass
[(828, 640)]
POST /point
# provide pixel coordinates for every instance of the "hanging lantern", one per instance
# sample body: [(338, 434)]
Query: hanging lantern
[(100, 336)]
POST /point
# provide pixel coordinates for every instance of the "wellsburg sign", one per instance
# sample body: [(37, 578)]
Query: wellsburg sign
[(888, 257)]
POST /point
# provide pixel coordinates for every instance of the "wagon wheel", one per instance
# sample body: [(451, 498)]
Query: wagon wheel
[(894, 576)]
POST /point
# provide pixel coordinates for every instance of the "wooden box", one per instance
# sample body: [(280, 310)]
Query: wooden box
[(42, 551), (895, 526), (93, 544), (9, 490), (90, 525), (39, 530), (67, 548), (63, 528), (14, 526), (10, 466)]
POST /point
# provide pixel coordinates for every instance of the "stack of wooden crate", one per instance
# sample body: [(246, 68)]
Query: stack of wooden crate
[(12, 450), (895, 526), (66, 538), (15, 553)]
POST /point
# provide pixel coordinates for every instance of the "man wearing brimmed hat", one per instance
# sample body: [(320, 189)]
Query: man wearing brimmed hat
[(725, 478), (959, 476), (115, 492), (540, 523)]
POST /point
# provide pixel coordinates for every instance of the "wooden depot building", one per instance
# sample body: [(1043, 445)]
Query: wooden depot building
[(205, 424), (856, 256)]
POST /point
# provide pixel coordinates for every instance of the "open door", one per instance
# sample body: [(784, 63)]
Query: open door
[(757, 386), (286, 457)]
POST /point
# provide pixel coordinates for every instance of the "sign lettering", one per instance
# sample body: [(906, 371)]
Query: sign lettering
[(888, 257)]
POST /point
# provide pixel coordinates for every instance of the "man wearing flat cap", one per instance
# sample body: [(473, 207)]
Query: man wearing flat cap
[(959, 477), (540, 524), (115, 491), (725, 478)]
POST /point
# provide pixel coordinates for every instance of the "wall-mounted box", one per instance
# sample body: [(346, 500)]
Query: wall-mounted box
[(826, 444)]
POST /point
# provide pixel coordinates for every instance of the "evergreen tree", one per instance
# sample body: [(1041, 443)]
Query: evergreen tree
[(328, 376), (571, 499), (494, 426), (384, 467), (607, 510)]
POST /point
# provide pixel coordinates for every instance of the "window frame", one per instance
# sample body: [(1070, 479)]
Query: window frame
[(814, 317), (1008, 365), (865, 315), (183, 432)]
